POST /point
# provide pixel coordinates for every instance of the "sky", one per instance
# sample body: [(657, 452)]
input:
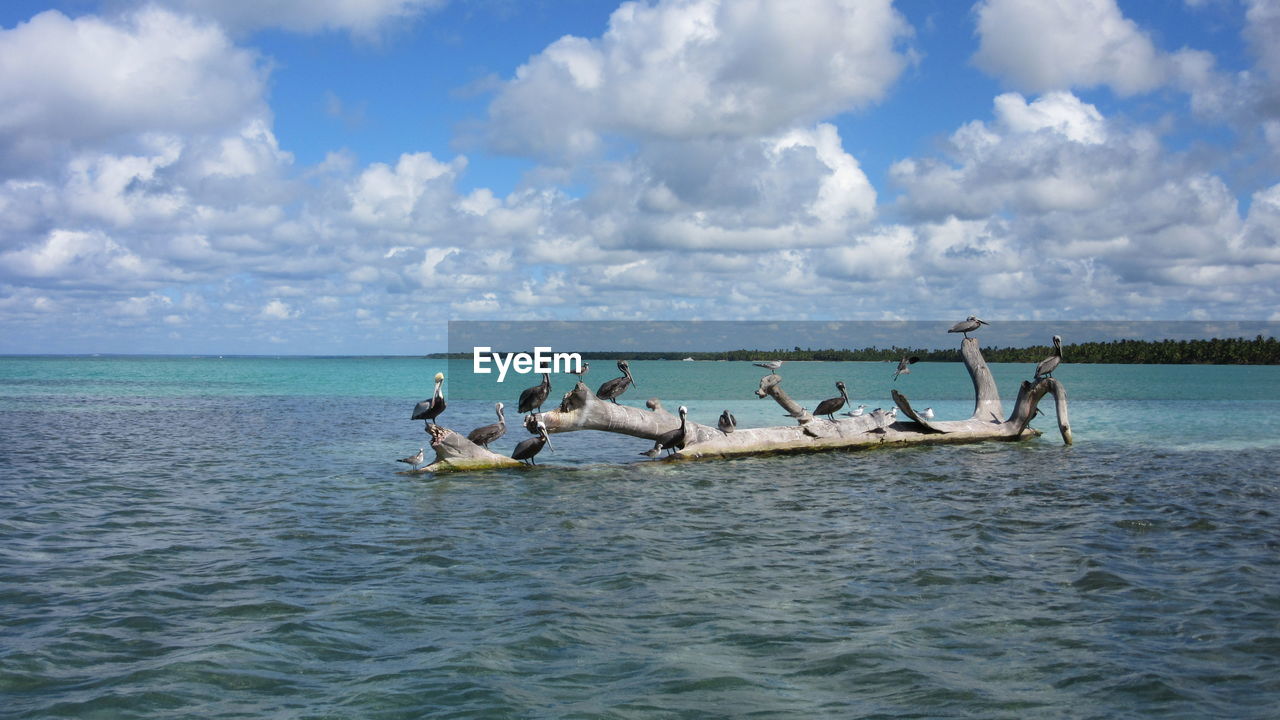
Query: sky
[(337, 177)]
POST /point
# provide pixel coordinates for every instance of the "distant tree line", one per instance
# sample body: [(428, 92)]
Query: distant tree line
[(1216, 351)]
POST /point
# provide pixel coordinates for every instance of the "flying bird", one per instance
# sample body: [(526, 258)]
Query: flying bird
[(829, 406), (526, 449), (486, 434), (533, 397), (1049, 364), (902, 367), (431, 408), (611, 389), (414, 460), (968, 325)]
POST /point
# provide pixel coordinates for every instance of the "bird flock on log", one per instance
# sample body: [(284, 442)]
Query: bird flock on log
[(532, 399)]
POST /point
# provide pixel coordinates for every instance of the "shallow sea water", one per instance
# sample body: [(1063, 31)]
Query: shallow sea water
[(229, 538)]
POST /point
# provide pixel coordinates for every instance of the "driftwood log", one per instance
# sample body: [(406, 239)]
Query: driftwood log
[(580, 409)]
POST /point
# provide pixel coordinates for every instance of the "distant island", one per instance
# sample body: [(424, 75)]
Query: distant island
[(1215, 351)]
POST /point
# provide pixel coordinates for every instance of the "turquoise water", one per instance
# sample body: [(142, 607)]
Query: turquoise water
[(205, 537)]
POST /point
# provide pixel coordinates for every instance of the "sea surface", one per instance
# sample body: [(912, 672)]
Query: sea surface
[(231, 538)]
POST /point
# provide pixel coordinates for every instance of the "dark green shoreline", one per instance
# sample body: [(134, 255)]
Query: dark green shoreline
[(1216, 351)]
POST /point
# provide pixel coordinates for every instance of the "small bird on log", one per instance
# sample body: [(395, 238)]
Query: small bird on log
[(672, 440), (857, 412), (532, 398), (1049, 364), (431, 408), (486, 434), (927, 413), (771, 366), (526, 449), (902, 367), (829, 406), (727, 423), (581, 372), (414, 460), (611, 389), (968, 325), (881, 419)]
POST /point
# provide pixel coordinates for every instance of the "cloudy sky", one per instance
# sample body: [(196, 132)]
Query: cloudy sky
[(338, 177)]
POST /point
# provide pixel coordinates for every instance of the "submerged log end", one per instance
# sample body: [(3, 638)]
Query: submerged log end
[(455, 452)]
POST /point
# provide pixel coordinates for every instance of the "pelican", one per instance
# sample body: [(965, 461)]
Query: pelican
[(829, 406), (968, 325), (581, 372), (1049, 364), (857, 413), (927, 413), (771, 366), (902, 366), (430, 409), (534, 397), (526, 449), (611, 389), (414, 460), (486, 434), (671, 440), (727, 422)]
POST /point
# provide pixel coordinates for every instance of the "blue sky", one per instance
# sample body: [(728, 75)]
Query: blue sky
[(323, 177)]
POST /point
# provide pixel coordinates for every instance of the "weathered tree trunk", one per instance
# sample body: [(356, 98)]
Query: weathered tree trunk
[(582, 410)]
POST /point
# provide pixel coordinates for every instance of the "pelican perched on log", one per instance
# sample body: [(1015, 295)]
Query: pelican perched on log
[(526, 449), (1049, 364), (727, 423), (829, 406), (968, 325), (431, 408), (771, 366), (486, 434), (903, 368), (414, 460), (671, 440), (581, 372), (532, 398), (611, 389)]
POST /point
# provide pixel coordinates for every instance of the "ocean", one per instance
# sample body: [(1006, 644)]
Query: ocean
[(232, 538)]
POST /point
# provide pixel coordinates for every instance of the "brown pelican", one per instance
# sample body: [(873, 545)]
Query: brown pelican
[(829, 406), (902, 366), (728, 423), (968, 325), (414, 460), (486, 434), (611, 389), (672, 440), (1049, 364), (771, 366), (581, 372), (431, 408), (534, 397), (526, 449)]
